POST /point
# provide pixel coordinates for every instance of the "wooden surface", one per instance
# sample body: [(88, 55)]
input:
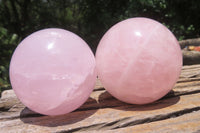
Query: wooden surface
[(191, 57), (177, 112), (189, 42)]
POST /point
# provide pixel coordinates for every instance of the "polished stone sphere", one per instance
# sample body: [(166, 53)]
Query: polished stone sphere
[(138, 60), (52, 71)]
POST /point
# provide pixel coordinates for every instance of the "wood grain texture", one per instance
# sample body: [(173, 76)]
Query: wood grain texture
[(178, 111), (186, 123)]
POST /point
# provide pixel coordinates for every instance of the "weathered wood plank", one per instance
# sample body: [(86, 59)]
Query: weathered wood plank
[(188, 123), (105, 118), (102, 112)]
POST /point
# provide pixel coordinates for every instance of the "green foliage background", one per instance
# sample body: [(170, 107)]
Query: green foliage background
[(89, 19)]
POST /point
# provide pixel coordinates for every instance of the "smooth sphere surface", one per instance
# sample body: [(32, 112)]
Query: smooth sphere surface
[(138, 60), (52, 71)]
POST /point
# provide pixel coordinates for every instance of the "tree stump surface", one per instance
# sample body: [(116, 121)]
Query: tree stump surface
[(177, 112)]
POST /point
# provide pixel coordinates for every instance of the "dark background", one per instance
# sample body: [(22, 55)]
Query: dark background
[(89, 19)]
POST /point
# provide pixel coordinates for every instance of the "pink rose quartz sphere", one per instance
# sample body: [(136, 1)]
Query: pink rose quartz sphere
[(138, 60), (52, 71)]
